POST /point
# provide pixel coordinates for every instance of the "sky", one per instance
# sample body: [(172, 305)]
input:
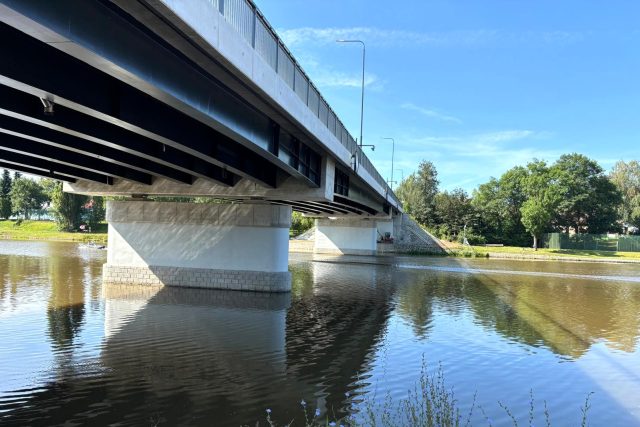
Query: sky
[(476, 87)]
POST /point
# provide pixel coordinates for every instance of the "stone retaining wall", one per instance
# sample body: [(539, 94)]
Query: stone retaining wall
[(410, 237), (198, 278)]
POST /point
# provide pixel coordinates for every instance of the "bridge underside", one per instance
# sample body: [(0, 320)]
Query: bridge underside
[(71, 108), (115, 99)]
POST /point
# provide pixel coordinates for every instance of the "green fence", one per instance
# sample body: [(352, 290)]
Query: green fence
[(592, 242)]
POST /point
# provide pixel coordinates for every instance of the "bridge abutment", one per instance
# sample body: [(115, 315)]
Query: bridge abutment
[(346, 236), (217, 246)]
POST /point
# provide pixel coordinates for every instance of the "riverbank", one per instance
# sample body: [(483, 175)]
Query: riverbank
[(505, 252), (46, 230), (511, 252)]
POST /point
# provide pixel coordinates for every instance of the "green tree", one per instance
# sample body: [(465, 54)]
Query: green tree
[(453, 211), (488, 205), (589, 199), (498, 203), (66, 207), (543, 196), (95, 210), (626, 177), (536, 217), (5, 195), (418, 192), (26, 196), (301, 223), (48, 186), (408, 193)]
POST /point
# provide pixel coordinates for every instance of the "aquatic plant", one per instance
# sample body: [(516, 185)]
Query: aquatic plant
[(429, 404)]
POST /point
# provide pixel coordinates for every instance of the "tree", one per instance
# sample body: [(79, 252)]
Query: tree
[(301, 223), (589, 199), (26, 196), (536, 217), (543, 195), (453, 211), (95, 210), (498, 203), (488, 204), (408, 193), (418, 191), (48, 186), (66, 207), (626, 177), (5, 195)]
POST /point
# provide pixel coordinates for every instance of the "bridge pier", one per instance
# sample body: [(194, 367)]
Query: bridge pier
[(346, 236), (217, 246)]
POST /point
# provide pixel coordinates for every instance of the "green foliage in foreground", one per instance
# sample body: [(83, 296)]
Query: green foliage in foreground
[(48, 230), (429, 404)]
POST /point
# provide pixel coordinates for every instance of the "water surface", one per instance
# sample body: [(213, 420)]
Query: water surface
[(353, 328)]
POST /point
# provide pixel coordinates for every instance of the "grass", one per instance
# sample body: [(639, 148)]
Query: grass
[(483, 251), (429, 404), (46, 230), (560, 252)]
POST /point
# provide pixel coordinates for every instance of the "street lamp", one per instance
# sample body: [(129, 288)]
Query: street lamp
[(402, 172), (364, 49), (393, 149)]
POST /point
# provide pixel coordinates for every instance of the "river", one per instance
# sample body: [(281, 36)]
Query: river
[(353, 329)]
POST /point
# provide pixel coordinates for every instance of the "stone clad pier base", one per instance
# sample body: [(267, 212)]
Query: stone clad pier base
[(240, 247), (346, 236)]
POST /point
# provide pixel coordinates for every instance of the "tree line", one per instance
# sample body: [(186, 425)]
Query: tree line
[(22, 197), (573, 194)]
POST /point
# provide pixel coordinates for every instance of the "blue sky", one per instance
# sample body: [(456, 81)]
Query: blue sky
[(475, 86)]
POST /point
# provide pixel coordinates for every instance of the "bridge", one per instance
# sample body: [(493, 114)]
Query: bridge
[(184, 98)]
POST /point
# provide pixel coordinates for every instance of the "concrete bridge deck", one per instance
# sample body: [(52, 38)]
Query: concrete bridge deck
[(165, 97)]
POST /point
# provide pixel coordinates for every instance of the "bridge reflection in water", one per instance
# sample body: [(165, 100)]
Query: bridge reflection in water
[(179, 355)]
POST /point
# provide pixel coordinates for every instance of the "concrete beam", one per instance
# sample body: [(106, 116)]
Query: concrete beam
[(245, 189)]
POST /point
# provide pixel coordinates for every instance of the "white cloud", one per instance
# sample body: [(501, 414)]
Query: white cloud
[(431, 113), (468, 160), (399, 38), (380, 37), (323, 75), (325, 78)]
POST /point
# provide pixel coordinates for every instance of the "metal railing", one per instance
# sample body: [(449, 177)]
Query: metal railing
[(251, 24)]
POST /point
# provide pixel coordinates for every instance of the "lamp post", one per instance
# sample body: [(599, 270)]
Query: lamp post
[(393, 149), (364, 49), (402, 172)]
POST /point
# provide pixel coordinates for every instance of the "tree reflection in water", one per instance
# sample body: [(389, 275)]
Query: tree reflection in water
[(66, 306), (566, 316)]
